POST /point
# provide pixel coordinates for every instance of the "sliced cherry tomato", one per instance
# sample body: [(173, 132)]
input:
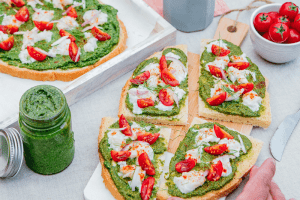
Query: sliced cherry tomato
[(143, 103), (289, 9), (273, 15), (146, 164), (147, 137), (140, 79), (163, 63), (216, 149), (262, 22), (296, 23), (246, 86), (168, 78), (279, 32), (220, 133), (7, 44), (63, 33), (185, 165), (73, 51), (42, 25), (36, 54), (294, 36), (282, 19), (147, 187), (267, 36), (120, 155), (215, 171), (239, 65), (219, 51), (123, 123), (165, 98), (217, 99), (100, 35), (215, 71), (18, 3), (9, 29), (23, 14), (72, 12)]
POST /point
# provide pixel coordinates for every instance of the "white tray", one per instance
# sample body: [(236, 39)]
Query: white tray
[(147, 32)]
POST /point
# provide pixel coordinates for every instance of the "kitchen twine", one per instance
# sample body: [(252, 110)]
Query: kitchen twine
[(249, 7)]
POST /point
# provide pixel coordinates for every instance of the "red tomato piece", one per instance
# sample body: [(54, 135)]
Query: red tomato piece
[(168, 78), (123, 123), (147, 187), (185, 165), (246, 86), (273, 15), (72, 12), (147, 137), (143, 103), (63, 33), (36, 54), (163, 63), (215, 71), (9, 29), (266, 35), (217, 99), (282, 19), (73, 51), (239, 65), (18, 3), (296, 23), (140, 79), (146, 164), (7, 44), (289, 9), (42, 25), (220, 133), (294, 36), (23, 14), (100, 35), (262, 22), (219, 51), (215, 171), (279, 32), (216, 149), (165, 98), (120, 155)]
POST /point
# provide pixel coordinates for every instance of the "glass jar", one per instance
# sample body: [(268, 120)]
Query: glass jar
[(45, 126)]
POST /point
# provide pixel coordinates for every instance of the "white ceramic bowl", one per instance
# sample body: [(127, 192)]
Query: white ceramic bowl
[(271, 51)]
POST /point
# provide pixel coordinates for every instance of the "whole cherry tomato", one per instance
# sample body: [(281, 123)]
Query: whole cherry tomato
[(219, 51), (279, 32), (294, 36), (163, 63), (267, 36), (9, 29), (73, 52), (217, 99), (296, 23), (36, 54), (147, 187), (140, 79), (18, 3), (42, 25), (215, 171), (63, 33), (168, 78), (7, 44), (220, 133), (23, 14), (246, 86), (273, 15), (185, 165), (124, 124), (283, 19), (120, 155), (262, 22), (215, 71), (289, 9), (146, 102), (72, 12), (165, 98), (147, 137), (239, 65), (216, 149), (100, 35), (146, 164)]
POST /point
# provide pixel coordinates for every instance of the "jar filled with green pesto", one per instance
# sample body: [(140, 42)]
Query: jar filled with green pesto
[(45, 126)]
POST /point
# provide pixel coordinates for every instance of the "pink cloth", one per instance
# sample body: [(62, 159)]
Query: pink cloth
[(220, 7)]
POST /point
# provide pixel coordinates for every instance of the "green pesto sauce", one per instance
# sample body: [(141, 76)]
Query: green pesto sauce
[(152, 111), (206, 82), (188, 143), (63, 62), (159, 147)]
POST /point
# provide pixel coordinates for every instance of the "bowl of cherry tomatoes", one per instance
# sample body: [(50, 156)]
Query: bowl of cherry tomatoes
[(275, 32)]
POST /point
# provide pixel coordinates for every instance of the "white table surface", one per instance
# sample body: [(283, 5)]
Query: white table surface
[(86, 118)]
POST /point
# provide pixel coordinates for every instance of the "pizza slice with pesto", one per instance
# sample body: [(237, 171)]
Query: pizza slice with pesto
[(132, 157), (231, 86)]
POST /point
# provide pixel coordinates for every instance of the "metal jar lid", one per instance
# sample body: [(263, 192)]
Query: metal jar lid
[(11, 152)]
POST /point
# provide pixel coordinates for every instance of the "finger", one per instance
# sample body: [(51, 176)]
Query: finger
[(269, 197), (276, 192), (253, 171), (265, 173)]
